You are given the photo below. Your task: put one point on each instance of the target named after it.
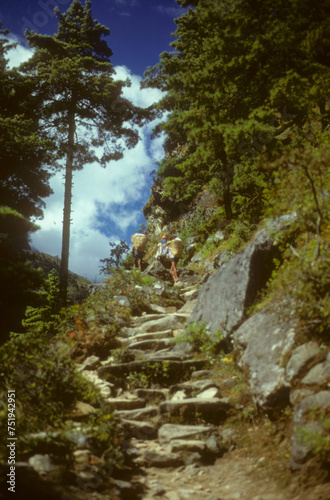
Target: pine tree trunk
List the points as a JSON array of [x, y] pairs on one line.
[[227, 203], [64, 269]]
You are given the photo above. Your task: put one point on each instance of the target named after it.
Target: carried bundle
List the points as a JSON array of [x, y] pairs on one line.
[[139, 241], [176, 247]]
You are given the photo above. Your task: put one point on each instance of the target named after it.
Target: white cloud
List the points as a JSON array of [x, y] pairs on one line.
[[19, 54], [174, 12]]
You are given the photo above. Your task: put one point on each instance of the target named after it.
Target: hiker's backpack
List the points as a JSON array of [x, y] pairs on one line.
[[139, 241], [176, 247]]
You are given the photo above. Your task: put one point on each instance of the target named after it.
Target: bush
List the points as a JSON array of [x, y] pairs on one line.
[[202, 341], [45, 380], [44, 319]]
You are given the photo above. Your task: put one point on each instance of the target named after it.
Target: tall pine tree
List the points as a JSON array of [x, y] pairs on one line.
[[83, 104], [240, 74]]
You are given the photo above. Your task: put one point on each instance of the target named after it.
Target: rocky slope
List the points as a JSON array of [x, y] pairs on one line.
[[196, 427]]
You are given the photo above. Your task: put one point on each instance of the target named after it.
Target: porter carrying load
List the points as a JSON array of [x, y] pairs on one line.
[[176, 247], [139, 241]]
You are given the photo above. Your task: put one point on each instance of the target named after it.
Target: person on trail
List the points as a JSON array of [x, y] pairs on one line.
[[137, 257], [163, 253], [139, 242]]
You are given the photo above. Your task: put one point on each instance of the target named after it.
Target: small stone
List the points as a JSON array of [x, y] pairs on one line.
[[81, 456], [178, 396], [41, 463]]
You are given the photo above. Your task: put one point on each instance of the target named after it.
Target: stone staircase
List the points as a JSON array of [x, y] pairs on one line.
[[171, 410], [168, 404]]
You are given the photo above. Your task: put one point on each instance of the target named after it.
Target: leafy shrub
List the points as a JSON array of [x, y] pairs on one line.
[[105, 435], [153, 374], [318, 440], [118, 254], [201, 340], [17, 277], [44, 319], [238, 233], [45, 380], [122, 355]]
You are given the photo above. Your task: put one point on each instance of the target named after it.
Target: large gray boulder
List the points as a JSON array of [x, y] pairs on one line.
[[224, 298], [266, 340]]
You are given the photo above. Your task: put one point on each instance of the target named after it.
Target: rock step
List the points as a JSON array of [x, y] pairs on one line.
[[150, 395], [213, 410], [139, 320], [146, 336], [166, 355], [170, 432], [144, 431], [161, 323], [138, 414], [175, 370], [151, 344], [106, 388], [125, 404], [196, 386]]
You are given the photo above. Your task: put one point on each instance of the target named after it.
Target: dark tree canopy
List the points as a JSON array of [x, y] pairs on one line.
[[24, 148], [241, 75]]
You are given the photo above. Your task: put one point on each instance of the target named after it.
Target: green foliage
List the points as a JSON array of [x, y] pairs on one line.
[[118, 253], [24, 148], [104, 431], [301, 186], [94, 324], [238, 233], [122, 355], [83, 109], [45, 380], [201, 340], [18, 278], [234, 90], [45, 318], [153, 374], [316, 439]]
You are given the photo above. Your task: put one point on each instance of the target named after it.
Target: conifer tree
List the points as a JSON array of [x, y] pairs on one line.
[[83, 104], [24, 150], [240, 75]]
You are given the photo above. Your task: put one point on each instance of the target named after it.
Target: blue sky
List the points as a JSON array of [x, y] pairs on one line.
[[107, 203]]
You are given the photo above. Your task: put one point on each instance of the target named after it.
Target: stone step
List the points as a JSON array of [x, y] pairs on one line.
[[106, 388], [194, 387], [150, 395], [125, 404], [190, 294], [175, 370], [170, 432], [166, 355], [151, 344], [213, 410], [146, 336], [138, 414], [166, 322], [139, 320], [140, 430]]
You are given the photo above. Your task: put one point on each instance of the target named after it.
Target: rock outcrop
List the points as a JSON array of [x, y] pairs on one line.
[[225, 297]]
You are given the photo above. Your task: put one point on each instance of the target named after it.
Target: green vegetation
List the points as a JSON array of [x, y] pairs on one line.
[[40, 364], [17, 277], [201, 340], [43, 319], [239, 93], [317, 439], [118, 255]]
